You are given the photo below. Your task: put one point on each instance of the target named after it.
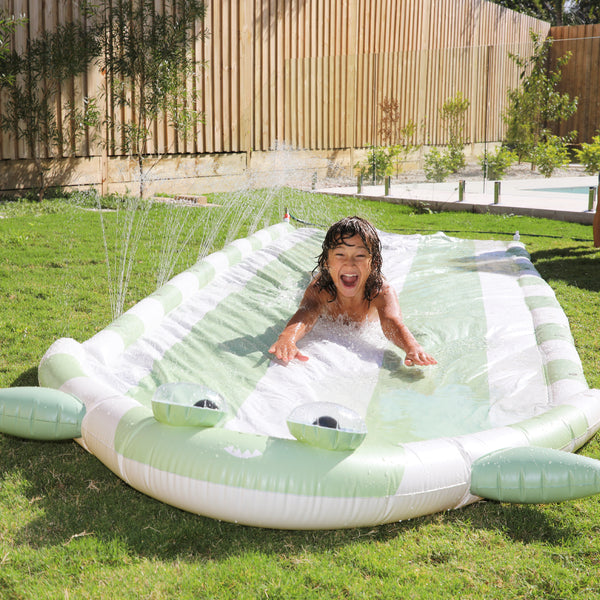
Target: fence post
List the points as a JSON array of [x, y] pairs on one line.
[[359, 184], [591, 197], [461, 190], [596, 228], [387, 184], [496, 192]]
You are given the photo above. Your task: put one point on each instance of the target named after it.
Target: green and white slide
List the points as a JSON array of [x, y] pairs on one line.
[[181, 399]]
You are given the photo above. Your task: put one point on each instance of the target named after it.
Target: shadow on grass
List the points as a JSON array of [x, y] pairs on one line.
[[27, 378], [525, 523], [578, 266], [73, 497]]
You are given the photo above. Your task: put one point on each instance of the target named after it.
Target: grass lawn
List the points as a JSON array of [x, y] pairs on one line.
[[69, 528]]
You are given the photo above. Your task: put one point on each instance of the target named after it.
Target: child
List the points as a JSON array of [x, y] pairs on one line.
[[349, 285]]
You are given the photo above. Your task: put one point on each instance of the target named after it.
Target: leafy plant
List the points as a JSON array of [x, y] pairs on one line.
[[397, 144], [437, 165], [536, 105], [150, 70], [495, 164], [394, 133], [452, 115], [441, 163], [550, 155], [380, 162], [32, 80], [589, 155]]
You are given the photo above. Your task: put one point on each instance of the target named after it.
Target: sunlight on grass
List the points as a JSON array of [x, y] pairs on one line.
[[69, 528]]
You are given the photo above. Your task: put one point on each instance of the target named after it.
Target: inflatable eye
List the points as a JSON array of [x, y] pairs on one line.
[[205, 403], [326, 421], [327, 425], [186, 404]]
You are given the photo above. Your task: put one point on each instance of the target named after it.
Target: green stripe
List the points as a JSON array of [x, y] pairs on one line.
[[233, 254], [526, 280], [129, 326], [169, 296], [518, 251], [562, 368], [452, 398], [552, 331], [282, 466], [534, 302], [556, 428], [204, 271], [57, 369]]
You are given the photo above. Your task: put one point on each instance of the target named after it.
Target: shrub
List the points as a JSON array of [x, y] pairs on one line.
[[380, 162], [589, 156], [437, 165], [550, 155], [452, 115], [455, 157], [495, 164]]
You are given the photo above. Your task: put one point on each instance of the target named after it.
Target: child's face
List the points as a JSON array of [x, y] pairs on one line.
[[349, 265]]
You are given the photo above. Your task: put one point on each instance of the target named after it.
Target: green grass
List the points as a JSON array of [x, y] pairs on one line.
[[69, 528]]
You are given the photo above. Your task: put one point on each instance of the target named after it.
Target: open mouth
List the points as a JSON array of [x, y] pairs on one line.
[[349, 280]]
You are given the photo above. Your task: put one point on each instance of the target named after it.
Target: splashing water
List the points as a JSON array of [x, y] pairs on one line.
[[261, 202], [132, 216]]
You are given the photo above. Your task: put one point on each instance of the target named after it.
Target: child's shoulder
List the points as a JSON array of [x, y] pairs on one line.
[[386, 294], [314, 292]]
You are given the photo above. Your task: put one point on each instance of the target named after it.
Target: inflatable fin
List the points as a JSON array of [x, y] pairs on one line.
[[534, 475], [39, 413]]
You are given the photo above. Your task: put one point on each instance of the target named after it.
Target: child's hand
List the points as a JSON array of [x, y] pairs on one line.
[[286, 350], [419, 357]]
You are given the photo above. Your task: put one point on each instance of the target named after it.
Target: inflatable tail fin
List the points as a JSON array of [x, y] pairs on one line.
[[534, 475]]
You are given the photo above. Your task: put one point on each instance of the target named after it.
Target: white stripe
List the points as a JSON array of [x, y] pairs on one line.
[[517, 385], [187, 283]]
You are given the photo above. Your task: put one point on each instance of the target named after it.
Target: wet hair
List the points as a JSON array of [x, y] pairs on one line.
[[337, 235]]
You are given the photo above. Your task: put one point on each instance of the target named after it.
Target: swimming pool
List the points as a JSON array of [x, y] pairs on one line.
[[582, 189]]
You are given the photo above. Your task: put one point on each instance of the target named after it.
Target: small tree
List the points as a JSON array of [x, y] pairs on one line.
[[32, 79], [536, 105], [397, 143], [395, 133], [453, 114], [441, 163], [150, 67]]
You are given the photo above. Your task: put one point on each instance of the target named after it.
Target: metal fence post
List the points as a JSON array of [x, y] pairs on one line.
[[496, 192]]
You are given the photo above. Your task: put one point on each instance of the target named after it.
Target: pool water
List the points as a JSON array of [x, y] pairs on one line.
[[582, 189]]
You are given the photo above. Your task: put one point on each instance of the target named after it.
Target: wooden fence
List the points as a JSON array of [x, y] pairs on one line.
[[311, 74], [581, 77]]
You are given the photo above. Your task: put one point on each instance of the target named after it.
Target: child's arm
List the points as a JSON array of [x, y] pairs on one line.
[[298, 326], [396, 331]]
